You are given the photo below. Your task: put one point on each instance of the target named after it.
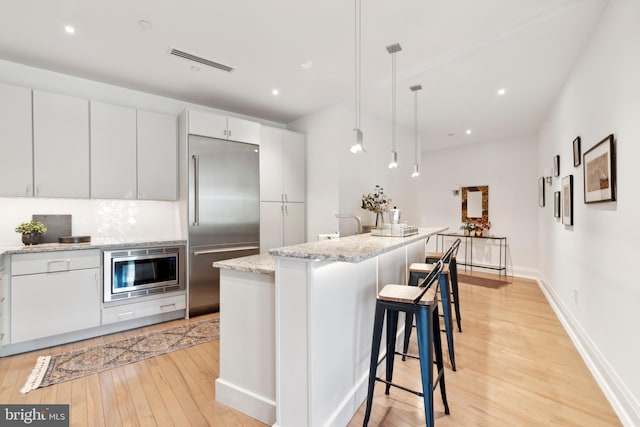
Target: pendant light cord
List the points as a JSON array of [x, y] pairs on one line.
[[393, 102], [358, 59]]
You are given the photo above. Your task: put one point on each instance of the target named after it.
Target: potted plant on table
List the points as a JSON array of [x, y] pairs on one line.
[[467, 227], [376, 202], [31, 231]]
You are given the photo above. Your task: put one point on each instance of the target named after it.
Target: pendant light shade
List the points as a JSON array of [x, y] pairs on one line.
[[358, 144], [393, 49], [416, 168]]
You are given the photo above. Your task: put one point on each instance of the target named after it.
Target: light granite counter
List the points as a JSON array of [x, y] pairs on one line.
[[355, 248], [261, 264], [99, 244]]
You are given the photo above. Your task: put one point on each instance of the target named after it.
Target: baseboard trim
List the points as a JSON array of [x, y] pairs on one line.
[[245, 401], [623, 402]]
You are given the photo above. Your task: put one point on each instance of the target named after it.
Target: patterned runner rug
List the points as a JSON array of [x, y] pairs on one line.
[[78, 363]]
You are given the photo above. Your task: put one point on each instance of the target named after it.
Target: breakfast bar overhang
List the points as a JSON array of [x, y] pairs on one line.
[[319, 316]]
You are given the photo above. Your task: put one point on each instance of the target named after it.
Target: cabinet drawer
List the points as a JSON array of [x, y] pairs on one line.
[[143, 309], [50, 262]]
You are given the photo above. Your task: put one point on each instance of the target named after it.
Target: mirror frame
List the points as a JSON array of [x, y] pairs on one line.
[[485, 201]]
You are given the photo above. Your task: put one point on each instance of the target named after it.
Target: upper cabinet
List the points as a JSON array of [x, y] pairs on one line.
[[61, 145], [113, 151], [282, 165], [16, 164], [133, 154], [222, 127], [157, 156]]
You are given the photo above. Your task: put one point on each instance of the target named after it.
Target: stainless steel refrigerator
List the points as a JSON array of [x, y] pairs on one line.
[[224, 213]]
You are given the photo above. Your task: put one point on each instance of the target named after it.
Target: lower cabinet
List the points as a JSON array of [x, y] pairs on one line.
[[281, 224], [49, 304], [137, 310]]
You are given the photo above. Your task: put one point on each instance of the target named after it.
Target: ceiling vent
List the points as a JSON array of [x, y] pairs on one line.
[[200, 60]]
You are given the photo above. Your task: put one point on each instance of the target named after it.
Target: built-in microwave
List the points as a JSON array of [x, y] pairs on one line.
[[131, 273]]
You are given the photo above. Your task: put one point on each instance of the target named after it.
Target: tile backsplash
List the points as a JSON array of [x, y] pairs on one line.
[[103, 220]]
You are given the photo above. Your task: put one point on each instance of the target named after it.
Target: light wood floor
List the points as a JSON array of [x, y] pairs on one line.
[[516, 367]]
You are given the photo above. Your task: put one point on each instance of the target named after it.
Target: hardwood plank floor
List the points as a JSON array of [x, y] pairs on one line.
[[516, 367]]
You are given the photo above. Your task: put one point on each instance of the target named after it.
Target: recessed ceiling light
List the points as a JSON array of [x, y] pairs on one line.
[[451, 134], [275, 92], [468, 132], [306, 65], [502, 91], [195, 68], [69, 29], [145, 25]]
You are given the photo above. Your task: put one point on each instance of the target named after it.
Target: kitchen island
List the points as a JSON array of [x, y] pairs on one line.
[[297, 353]]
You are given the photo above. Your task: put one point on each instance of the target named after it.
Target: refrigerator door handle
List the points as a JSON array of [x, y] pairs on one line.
[[196, 190], [216, 251]]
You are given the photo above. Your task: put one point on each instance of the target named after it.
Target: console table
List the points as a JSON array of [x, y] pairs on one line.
[[468, 250]]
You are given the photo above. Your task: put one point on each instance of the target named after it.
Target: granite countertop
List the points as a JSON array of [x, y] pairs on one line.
[[98, 244], [353, 248], [261, 264]]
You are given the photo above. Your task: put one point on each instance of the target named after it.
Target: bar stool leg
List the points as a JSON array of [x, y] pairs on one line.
[[437, 344], [425, 346], [453, 271], [408, 326], [443, 282], [373, 365], [392, 328]]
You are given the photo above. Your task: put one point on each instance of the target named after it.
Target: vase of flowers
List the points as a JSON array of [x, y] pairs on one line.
[[31, 231], [378, 203], [467, 227], [482, 225]]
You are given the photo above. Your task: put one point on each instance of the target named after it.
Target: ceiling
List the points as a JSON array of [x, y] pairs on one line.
[[460, 51]]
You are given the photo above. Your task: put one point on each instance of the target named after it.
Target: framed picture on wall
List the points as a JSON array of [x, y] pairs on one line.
[[567, 200], [541, 192], [576, 152], [556, 166], [556, 204], [599, 167]]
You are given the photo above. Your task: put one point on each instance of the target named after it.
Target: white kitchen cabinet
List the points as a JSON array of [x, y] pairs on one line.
[[282, 165], [61, 145], [16, 164], [222, 127], [157, 156], [281, 224], [141, 309], [2, 303], [113, 151], [54, 293]]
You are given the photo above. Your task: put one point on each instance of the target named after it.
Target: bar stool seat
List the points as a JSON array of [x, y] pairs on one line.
[[422, 302], [419, 271], [432, 258]]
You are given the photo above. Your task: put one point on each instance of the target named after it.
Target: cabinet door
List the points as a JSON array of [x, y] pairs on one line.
[[61, 145], [271, 226], [207, 124], [113, 151], [243, 130], [294, 224], [157, 156], [43, 305], [271, 164], [293, 166], [16, 161]]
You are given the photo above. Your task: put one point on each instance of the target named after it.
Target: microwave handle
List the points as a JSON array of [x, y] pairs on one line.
[[196, 190]]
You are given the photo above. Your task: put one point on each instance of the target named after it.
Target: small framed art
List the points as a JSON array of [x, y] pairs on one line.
[[599, 164], [556, 166], [556, 204], [541, 192], [567, 200], [576, 152]]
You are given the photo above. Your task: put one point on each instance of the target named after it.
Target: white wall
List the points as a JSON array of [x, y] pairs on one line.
[[589, 268], [337, 179], [112, 219], [508, 168]]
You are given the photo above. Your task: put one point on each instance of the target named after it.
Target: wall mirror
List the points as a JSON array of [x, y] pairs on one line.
[[475, 202]]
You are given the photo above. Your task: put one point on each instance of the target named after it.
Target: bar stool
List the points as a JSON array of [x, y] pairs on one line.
[[418, 271], [432, 258], [421, 301]]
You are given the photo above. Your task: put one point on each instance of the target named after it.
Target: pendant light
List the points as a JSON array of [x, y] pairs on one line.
[[416, 169], [358, 145], [393, 49]]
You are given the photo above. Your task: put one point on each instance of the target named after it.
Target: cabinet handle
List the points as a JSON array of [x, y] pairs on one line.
[[126, 314], [224, 132], [196, 190], [282, 197], [286, 199], [27, 191], [164, 307], [282, 209], [37, 190], [56, 261], [229, 133]]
